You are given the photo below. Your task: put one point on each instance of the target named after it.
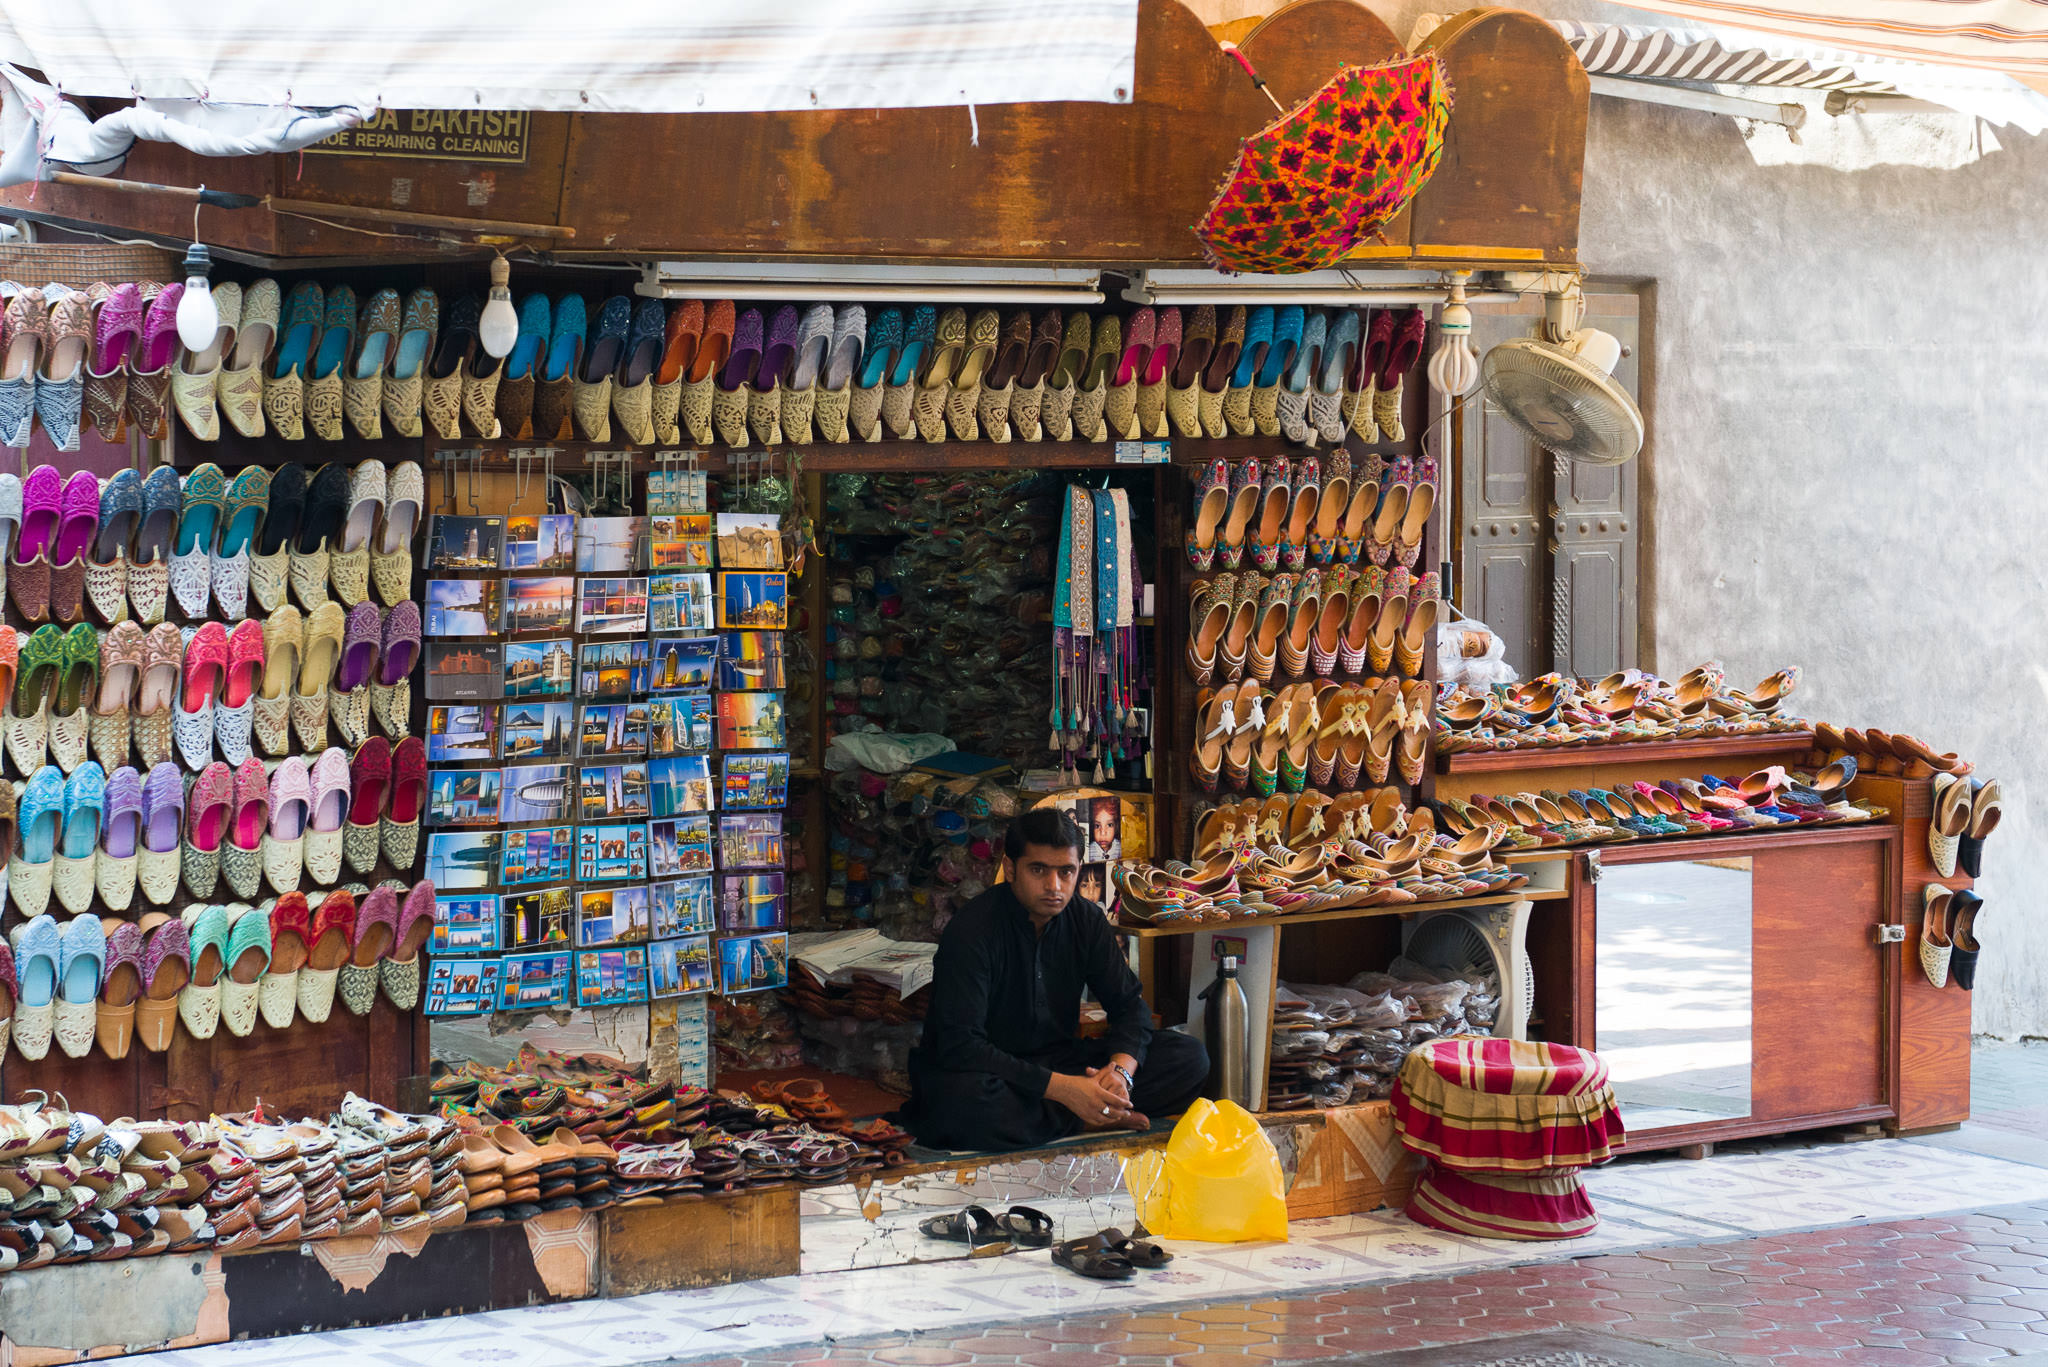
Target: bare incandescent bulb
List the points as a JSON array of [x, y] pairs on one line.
[[498, 329], [198, 319]]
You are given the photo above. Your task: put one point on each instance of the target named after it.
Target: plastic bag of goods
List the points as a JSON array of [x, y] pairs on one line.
[[1217, 1180]]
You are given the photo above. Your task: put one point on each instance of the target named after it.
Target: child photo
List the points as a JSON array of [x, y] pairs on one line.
[[683, 662], [753, 600], [676, 968], [463, 672], [751, 840], [536, 792], [545, 855], [1093, 884], [682, 907], [539, 730], [539, 669], [681, 783], [679, 722], [546, 916], [465, 923], [1101, 823], [612, 607], [464, 543], [614, 669], [460, 860], [459, 734], [532, 981], [540, 605], [462, 797], [609, 545], [541, 543], [753, 963], [462, 607]]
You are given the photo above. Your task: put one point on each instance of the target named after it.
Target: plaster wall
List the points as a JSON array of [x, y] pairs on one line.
[[1849, 436]]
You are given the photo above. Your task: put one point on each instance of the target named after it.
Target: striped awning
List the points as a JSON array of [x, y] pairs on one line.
[[1731, 56], [635, 56], [1990, 35]]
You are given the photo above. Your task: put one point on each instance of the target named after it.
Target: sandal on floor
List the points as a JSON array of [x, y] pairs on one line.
[[1026, 1227], [1088, 1258], [1135, 1248]]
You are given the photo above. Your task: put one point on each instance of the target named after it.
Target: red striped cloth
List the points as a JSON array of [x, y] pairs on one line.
[[1494, 1206], [1506, 1106]]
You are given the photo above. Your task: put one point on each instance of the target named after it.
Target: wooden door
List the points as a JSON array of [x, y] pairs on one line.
[[1818, 1003], [1549, 548]]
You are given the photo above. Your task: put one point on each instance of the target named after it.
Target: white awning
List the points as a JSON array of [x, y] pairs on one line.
[[1722, 55], [618, 56]]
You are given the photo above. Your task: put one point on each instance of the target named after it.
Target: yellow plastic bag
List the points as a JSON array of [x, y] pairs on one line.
[[1218, 1179]]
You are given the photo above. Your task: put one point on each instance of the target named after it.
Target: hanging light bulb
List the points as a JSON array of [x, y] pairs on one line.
[[498, 329], [198, 319], [1453, 366]]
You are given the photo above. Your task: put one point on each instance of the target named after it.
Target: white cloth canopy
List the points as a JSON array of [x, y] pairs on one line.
[[1732, 56], [641, 56], [40, 132]]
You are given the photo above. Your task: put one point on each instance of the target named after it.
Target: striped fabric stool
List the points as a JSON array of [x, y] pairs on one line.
[[1506, 1125]]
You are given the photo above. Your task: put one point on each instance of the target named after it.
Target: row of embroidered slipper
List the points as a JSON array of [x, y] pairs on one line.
[[104, 980], [205, 541], [124, 690], [93, 833]]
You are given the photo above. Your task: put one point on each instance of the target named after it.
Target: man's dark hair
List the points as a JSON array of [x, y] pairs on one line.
[[1049, 827]]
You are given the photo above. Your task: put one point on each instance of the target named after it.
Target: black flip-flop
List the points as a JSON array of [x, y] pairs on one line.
[[973, 1226], [1088, 1258], [1026, 1227]]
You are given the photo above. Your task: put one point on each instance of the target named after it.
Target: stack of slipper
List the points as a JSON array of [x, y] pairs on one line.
[[422, 1184], [281, 1171], [75, 1189], [363, 1159], [648, 1174]]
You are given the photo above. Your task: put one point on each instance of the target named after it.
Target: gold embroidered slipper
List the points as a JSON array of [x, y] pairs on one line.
[[935, 383]]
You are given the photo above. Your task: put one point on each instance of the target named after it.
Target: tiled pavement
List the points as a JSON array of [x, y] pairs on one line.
[[1938, 1253]]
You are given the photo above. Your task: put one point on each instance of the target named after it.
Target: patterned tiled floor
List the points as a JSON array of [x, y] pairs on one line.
[[1907, 1252]]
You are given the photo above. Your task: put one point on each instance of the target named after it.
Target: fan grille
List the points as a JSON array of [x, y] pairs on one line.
[[1562, 404]]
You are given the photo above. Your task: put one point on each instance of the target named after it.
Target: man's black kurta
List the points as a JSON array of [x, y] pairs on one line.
[[1005, 1003]]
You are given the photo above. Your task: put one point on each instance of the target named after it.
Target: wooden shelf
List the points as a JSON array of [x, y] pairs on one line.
[[1343, 913], [1627, 752]]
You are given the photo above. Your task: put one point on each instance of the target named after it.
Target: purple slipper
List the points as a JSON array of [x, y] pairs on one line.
[[291, 798], [401, 643], [81, 504], [359, 655], [120, 323], [746, 352], [781, 352], [122, 834], [42, 498], [160, 330], [163, 808]]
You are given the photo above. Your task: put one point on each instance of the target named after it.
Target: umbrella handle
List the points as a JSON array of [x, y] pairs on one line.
[[1235, 55]]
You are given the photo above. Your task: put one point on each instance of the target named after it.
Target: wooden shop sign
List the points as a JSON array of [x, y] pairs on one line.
[[493, 135]]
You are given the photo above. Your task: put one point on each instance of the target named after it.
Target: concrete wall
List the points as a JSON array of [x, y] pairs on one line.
[[1849, 463]]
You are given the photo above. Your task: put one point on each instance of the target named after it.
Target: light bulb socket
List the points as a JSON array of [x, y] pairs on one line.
[[501, 273], [198, 261]]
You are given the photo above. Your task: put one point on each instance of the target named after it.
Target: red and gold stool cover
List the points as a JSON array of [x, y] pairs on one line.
[[1496, 1206], [1520, 1107]]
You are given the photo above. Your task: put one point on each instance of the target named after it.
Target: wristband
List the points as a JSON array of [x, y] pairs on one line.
[[1128, 1083]]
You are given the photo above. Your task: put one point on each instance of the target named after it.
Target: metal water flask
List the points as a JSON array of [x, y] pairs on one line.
[[1226, 1025]]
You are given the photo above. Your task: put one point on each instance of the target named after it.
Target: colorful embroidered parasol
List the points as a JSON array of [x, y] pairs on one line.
[[1325, 175]]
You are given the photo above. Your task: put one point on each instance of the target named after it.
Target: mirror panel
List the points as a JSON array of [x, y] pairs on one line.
[[1672, 1014]]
